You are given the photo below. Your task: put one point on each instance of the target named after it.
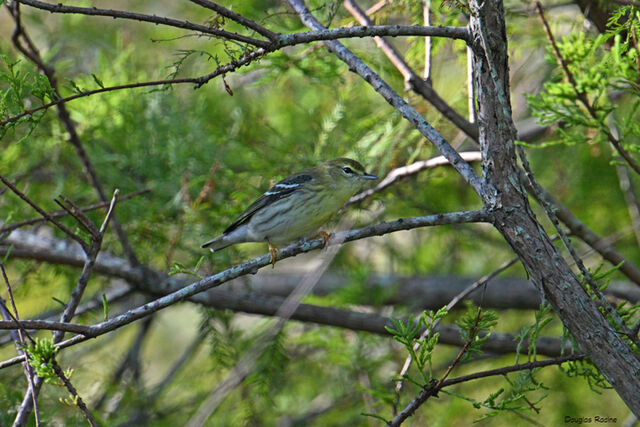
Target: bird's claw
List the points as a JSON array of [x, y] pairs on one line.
[[273, 251], [325, 238]]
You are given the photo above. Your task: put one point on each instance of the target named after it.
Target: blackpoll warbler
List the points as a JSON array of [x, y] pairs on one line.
[[296, 207]]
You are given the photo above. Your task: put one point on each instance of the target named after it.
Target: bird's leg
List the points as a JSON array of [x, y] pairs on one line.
[[325, 237], [272, 251]]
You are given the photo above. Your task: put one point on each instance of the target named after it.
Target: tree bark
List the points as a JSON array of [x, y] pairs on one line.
[[513, 217]]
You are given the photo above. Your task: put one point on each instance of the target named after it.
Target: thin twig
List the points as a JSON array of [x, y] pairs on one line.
[[399, 173], [244, 21], [283, 41], [433, 390], [514, 368], [77, 400], [123, 14], [44, 214], [83, 280], [20, 343], [64, 213]]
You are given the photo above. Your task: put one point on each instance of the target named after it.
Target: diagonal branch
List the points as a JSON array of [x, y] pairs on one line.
[[254, 265], [19, 339], [242, 20]]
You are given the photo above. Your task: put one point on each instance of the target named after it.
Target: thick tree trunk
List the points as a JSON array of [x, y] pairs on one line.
[[517, 223]]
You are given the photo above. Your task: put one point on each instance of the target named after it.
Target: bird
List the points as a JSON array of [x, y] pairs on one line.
[[296, 207]]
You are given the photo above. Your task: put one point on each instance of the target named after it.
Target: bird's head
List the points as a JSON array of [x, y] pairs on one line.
[[348, 175]]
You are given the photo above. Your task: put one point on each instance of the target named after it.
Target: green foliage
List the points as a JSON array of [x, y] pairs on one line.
[[475, 325], [419, 340], [177, 268], [530, 333], [21, 86], [585, 369], [583, 100], [41, 359], [501, 401]]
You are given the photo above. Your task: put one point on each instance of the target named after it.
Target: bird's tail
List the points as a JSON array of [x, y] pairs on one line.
[[218, 243]]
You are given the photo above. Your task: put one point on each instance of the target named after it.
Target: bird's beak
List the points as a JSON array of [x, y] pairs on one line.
[[369, 176]]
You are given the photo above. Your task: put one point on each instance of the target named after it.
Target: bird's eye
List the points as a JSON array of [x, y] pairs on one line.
[[347, 170]]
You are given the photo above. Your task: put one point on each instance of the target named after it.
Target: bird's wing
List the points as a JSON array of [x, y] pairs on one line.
[[280, 190]]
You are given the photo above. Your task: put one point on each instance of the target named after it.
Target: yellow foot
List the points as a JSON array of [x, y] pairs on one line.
[[325, 237], [273, 251]]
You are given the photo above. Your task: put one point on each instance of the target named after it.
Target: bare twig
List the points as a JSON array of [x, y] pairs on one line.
[[72, 209], [433, 390], [426, 19], [44, 214], [20, 342], [48, 325], [197, 81], [399, 173], [62, 214], [83, 280], [283, 41]]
